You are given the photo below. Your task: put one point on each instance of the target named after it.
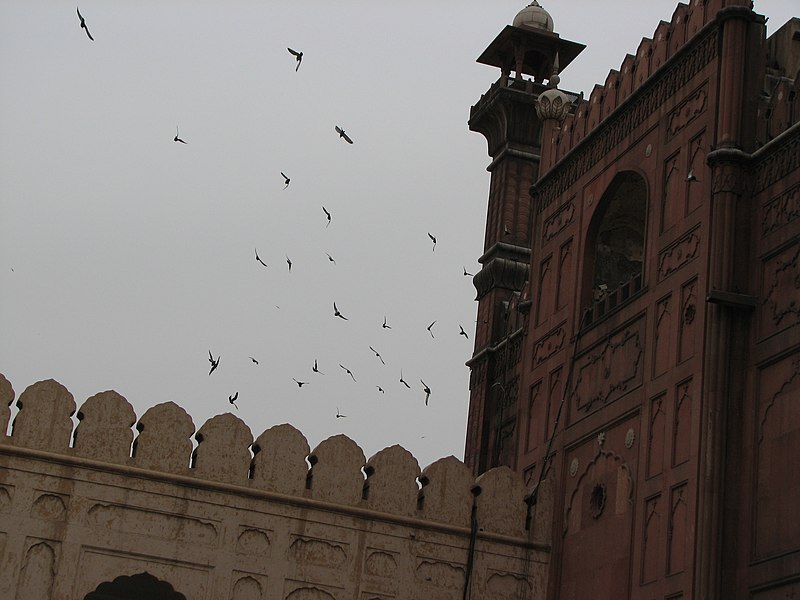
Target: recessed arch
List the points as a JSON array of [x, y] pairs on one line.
[[141, 586], [615, 244]]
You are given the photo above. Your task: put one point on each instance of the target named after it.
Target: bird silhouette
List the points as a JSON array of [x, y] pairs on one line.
[[83, 24], [232, 400], [462, 332], [330, 258], [433, 239], [403, 381], [258, 258], [286, 180], [342, 134], [385, 326], [298, 57], [380, 389], [336, 312], [177, 137], [315, 368], [430, 327], [339, 415], [327, 214], [427, 391], [349, 372], [690, 177], [300, 384], [254, 360], [467, 274], [506, 230], [214, 363], [377, 354], [289, 262]]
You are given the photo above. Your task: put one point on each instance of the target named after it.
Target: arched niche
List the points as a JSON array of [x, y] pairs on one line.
[[615, 244], [135, 587]]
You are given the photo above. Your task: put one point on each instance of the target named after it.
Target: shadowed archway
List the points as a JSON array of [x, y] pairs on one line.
[[141, 586]]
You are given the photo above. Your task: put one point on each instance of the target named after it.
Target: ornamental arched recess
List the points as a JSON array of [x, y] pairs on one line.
[[616, 242]]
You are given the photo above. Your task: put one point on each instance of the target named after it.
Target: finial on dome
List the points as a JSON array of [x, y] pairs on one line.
[[534, 17], [553, 103]]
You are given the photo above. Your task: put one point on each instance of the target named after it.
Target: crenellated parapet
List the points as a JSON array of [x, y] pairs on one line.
[[276, 461], [234, 516]]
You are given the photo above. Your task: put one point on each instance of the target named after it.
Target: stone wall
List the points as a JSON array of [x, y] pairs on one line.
[[245, 518]]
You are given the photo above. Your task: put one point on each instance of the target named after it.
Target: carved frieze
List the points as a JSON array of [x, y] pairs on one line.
[[129, 520], [49, 507], [777, 162], [781, 210], [508, 586], [318, 552], [678, 254], [440, 574], [558, 221], [687, 111], [609, 370], [548, 345], [253, 542], [781, 308]]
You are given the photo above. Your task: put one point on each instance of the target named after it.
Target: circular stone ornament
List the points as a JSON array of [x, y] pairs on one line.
[[630, 437], [573, 467]]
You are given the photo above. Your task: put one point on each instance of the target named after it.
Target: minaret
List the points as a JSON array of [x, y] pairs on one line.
[[506, 116]]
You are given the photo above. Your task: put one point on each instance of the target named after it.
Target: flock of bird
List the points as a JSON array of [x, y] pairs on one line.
[[337, 313]]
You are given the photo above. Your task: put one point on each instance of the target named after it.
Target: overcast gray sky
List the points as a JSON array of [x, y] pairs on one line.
[[125, 257]]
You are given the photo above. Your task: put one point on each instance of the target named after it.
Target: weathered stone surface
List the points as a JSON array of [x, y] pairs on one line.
[[6, 400], [164, 443], [104, 431], [279, 461], [336, 471], [501, 504], [446, 492], [391, 484], [43, 421], [223, 451]]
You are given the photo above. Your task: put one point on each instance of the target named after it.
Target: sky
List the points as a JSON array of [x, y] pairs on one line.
[[126, 257]]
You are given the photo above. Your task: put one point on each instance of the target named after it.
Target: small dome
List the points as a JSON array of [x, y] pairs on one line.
[[535, 17], [552, 104]]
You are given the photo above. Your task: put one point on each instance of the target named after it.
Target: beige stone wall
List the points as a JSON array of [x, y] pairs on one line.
[[248, 519]]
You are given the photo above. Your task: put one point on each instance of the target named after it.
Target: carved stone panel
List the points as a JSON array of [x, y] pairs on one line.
[[682, 424], [781, 210], [687, 111], [672, 200], [610, 369], [696, 190], [248, 586], [546, 290], [678, 254], [781, 291], [652, 545], [656, 437], [689, 318], [39, 567], [537, 411], [566, 285], [549, 344], [678, 530], [777, 528], [558, 221], [663, 343], [50, 507], [135, 521]]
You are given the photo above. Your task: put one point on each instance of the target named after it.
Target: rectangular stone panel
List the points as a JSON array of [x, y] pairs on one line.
[[655, 438], [663, 346], [688, 319], [682, 423]]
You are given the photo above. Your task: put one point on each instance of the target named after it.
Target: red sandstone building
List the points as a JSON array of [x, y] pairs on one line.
[[638, 336]]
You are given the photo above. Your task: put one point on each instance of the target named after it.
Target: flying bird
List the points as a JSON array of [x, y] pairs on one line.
[[177, 137], [377, 354], [214, 363], [403, 381], [300, 384], [232, 400], [380, 389], [506, 230], [339, 415], [286, 180], [298, 57], [427, 391], [467, 274], [330, 258], [433, 239], [430, 327], [258, 258], [336, 312], [349, 372], [315, 368], [462, 332], [342, 134], [691, 176], [385, 326], [289, 262], [254, 360], [83, 24], [327, 214]]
